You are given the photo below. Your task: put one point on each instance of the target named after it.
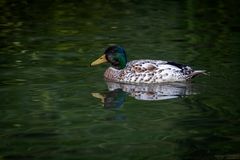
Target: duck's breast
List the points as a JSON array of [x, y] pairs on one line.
[[112, 74]]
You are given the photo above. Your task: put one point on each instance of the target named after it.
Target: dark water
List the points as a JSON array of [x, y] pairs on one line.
[[54, 106]]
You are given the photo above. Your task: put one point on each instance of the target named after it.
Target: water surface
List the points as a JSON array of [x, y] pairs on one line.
[[54, 106]]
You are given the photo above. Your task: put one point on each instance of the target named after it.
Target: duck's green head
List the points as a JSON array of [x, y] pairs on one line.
[[115, 55]]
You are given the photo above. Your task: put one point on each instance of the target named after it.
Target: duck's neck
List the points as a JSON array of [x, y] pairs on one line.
[[122, 62]]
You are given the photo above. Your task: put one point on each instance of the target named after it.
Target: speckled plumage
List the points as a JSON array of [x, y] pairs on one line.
[[150, 71], [142, 71]]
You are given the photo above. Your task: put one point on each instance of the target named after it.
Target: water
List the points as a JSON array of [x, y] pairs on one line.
[[54, 106]]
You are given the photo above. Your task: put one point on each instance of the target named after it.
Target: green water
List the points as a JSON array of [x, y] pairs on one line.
[[54, 106]]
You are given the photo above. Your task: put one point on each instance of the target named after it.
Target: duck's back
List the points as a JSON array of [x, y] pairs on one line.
[[150, 71]]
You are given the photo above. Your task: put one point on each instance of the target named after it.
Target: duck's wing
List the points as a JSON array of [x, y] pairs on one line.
[[156, 71], [153, 66], [145, 65], [186, 71], [150, 71]]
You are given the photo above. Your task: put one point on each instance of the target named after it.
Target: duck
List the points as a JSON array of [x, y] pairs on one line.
[[143, 71]]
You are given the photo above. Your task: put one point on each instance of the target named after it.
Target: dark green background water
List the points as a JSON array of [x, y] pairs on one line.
[[47, 110]]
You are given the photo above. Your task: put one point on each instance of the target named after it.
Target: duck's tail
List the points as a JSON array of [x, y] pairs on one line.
[[196, 73]]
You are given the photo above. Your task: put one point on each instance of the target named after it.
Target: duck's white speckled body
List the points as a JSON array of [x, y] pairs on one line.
[[150, 71]]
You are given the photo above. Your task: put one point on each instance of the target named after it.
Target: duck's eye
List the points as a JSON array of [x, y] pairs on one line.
[[114, 60]]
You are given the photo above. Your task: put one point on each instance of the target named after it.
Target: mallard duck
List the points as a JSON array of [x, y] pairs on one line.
[[144, 70]]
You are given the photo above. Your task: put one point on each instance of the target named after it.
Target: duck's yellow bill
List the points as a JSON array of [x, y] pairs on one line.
[[100, 60]]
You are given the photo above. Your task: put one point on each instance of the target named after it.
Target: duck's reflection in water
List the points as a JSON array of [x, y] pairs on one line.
[[116, 95], [114, 98]]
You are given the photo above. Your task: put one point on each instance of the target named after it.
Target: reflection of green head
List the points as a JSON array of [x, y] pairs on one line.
[[115, 98], [116, 55]]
